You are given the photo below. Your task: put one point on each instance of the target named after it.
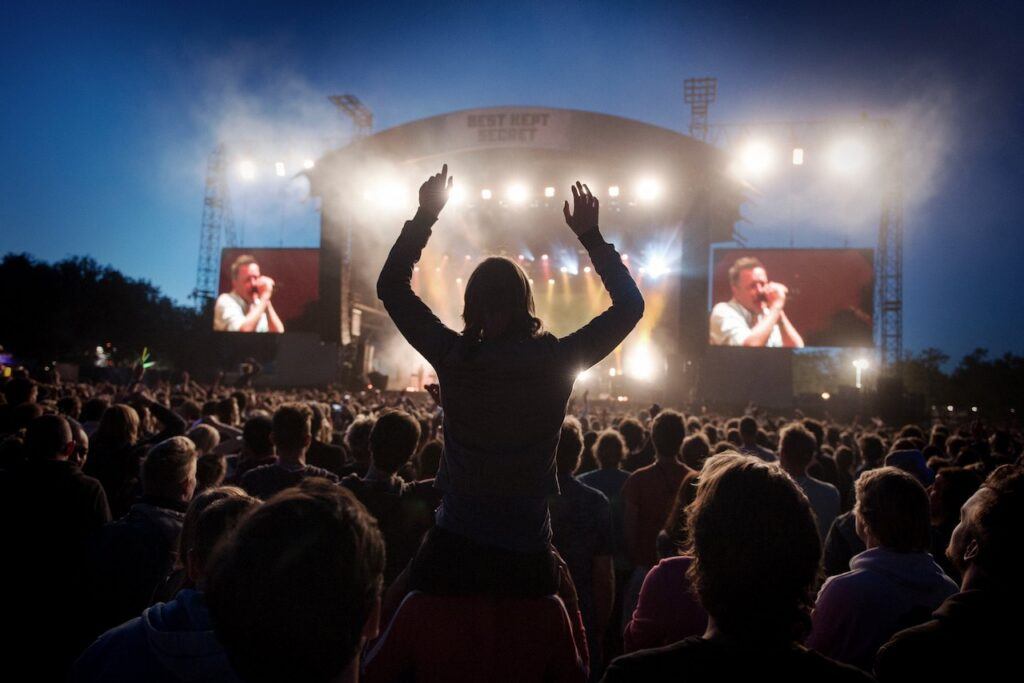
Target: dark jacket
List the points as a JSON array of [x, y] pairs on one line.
[[504, 400], [267, 480], [973, 636]]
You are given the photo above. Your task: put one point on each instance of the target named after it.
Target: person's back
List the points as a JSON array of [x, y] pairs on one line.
[[504, 383], [476, 638], [292, 434], [893, 584]]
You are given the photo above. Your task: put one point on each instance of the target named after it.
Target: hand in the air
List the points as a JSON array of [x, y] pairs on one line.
[[434, 192], [584, 213]]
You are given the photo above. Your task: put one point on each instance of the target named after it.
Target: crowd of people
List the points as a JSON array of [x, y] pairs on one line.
[[496, 530]]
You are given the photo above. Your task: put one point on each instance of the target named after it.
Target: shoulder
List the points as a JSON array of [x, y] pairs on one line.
[[594, 496], [314, 471], [817, 666], [660, 663]]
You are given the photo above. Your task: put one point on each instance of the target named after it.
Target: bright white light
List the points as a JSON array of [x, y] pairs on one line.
[[583, 376], [949, 408], [625, 257], [611, 372], [247, 169], [551, 281], [549, 191], [639, 363], [458, 280], [798, 156], [517, 194], [586, 269], [757, 158], [279, 169], [485, 194], [564, 269], [308, 164], [861, 364], [648, 189], [613, 191], [657, 266], [825, 396], [974, 409], [543, 257], [848, 157], [416, 268], [456, 196], [468, 257], [387, 193], [521, 257]]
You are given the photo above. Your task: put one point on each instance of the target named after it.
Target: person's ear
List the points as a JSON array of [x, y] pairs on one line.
[[971, 553], [371, 629], [69, 450]]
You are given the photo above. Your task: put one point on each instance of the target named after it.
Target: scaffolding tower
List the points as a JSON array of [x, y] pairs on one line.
[[217, 227]]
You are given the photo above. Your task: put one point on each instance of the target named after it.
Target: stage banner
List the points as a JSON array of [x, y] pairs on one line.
[[514, 127]]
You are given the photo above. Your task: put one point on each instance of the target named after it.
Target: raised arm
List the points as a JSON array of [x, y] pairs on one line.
[[414, 319], [595, 340]]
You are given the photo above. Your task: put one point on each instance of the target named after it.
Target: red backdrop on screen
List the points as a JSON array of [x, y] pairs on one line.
[[296, 275], [831, 291]]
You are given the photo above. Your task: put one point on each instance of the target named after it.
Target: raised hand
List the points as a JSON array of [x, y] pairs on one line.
[[434, 192], [775, 294], [584, 212], [265, 287]]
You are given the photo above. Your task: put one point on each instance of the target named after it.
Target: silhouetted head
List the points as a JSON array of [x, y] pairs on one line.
[[499, 302]]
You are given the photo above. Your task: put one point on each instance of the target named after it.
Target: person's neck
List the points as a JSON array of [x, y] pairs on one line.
[[292, 459], [793, 470], [666, 459], [975, 579], [750, 443]]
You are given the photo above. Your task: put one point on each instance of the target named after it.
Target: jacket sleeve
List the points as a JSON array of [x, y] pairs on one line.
[[414, 319], [595, 340]]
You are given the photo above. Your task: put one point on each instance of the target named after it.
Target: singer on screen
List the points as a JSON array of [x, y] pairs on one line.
[[755, 315], [247, 307]]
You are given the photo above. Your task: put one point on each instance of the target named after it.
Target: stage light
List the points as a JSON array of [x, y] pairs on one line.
[[613, 191], [974, 409], [247, 169], [848, 157], [825, 396], [757, 158], [861, 364], [625, 257], [657, 266], [416, 269], [530, 280], [485, 194], [648, 189], [564, 269], [456, 195], [949, 409], [639, 363], [586, 269], [798, 156], [551, 281], [438, 269], [543, 257], [468, 257], [583, 376], [279, 169], [642, 270], [611, 372], [521, 257], [458, 280], [549, 191], [308, 164], [517, 193], [387, 193]]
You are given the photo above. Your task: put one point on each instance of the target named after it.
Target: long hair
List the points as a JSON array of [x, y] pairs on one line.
[[118, 427], [499, 302]]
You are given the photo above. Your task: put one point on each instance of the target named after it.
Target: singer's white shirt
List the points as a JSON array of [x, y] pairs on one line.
[[229, 313], [731, 323]]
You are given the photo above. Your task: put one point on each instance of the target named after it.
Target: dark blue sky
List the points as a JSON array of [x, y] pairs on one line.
[[108, 112]]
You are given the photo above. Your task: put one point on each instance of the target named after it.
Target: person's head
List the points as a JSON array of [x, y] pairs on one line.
[[499, 302], [667, 433], [872, 450], [189, 410], [748, 430], [950, 490], [245, 276], [49, 437], [756, 549], [20, 389], [118, 427], [292, 428], [892, 511], [93, 409], [69, 406], [428, 461], [748, 279], [227, 411], [570, 446], [205, 437], [309, 556], [393, 440], [357, 438], [633, 432], [210, 471], [987, 539], [796, 448], [256, 436], [695, 450], [81, 439], [214, 524], [321, 425], [169, 470], [199, 502], [610, 449]]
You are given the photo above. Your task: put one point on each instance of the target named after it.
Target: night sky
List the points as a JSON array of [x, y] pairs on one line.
[[108, 113]]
